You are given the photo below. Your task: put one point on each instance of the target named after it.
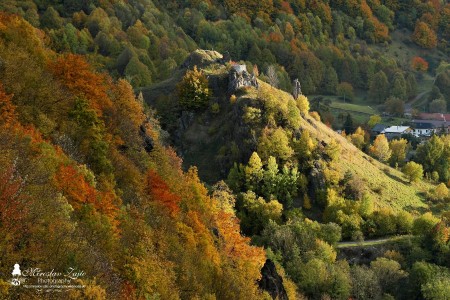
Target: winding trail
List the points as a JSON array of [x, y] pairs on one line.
[[408, 105]]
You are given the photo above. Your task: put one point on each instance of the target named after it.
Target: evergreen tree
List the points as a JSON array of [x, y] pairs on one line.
[[411, 85], [379, 87], [330, 81], [271, 179], [349, 125], [398, 88]]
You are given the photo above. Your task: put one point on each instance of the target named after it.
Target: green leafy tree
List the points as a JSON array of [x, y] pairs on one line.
[[404, 221], [90, 133], [193, 90], [345, 90], [271, 178], [257, 213], [399, 149], [330, 81], [365, 283], [51, 19], [411, 84], [437, 288], [395, 106], [413, 171], [374, 120], [389, 274], [438, 106], [421, 273], [430, 154], [443, 83], [435, 94], [440, 192], [275, 143], [236, 177], [424, 224], [138, 73]]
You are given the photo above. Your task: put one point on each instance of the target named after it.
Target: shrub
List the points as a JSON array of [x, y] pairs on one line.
[[215, 108], [315, 115], [439, 193], [233, 99]]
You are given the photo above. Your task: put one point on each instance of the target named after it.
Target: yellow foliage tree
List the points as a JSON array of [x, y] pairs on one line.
[[302, 104], [380, 148], [193, 91]]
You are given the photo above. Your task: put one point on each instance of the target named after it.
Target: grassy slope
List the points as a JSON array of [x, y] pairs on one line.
[[203, 139], [388, 186], [365, 109]]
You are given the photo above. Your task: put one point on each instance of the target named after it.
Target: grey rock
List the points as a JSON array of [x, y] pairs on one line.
[[239, 78]]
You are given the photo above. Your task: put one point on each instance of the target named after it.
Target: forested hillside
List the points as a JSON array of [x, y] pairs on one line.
[[85, 182], [129, 154]]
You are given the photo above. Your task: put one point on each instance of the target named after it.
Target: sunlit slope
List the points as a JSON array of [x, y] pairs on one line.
[[205, 134]]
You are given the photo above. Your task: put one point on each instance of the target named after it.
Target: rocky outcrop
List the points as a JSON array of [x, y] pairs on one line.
[[272, 282], [147, 140], [297, 88], [316, 179], [239, 78], [202, 58]]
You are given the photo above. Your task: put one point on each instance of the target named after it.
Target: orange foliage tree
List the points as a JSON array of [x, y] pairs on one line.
[[81, 80], [13, 202], [8, 114], [158, 190], [79, 192], [419, 64], [381, 30], [234, 244], [286, 7], [424, 36]]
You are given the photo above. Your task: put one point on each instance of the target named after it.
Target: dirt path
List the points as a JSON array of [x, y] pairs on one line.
[[372, 242], [408, 105]]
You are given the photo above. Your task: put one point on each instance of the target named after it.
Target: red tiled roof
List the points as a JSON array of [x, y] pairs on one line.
[[434, 116]]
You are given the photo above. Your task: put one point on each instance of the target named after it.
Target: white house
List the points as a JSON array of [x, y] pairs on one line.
[[396, 131], [424, 129]]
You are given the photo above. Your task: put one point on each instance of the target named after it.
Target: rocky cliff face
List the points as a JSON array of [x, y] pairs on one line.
[[239, 78], [272, 282]]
